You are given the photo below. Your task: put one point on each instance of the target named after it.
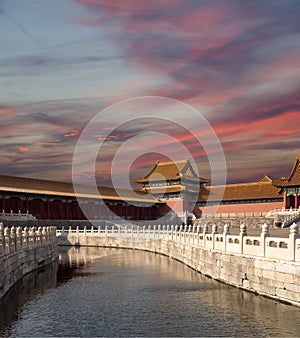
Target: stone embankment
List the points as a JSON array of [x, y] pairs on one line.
[[269, 266], [23, 251]]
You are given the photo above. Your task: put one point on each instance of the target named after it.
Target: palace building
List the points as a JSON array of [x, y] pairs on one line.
[[260, 196], [57, 200], [174, 183], [290, 187], [168, 186]]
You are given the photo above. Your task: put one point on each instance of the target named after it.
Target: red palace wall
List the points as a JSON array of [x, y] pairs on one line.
[[178, 205], [48, 208], [239, 208]]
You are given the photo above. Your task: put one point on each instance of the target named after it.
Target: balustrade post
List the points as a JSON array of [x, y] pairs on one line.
[[2, 244], [99, 230], [172, 231], [50, 232], [131, 231], [12, 239], [294, 230], [25, 238], [106, 231], [113, 230], [92, 230], [44, 235], [7, 240], [19, 238], [205, 227], [77, 231], [34, 236], [40, 235], [225, 234], [154, 229], [158, 230], [84, 231], [214, 231], [194, 233], [243, 232], [164, 231], [264, 233], [144, 228], [31, 239], [138, 231], [180, 233], [149, 228]]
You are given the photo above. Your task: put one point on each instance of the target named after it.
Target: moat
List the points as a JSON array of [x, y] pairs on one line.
[[115, 292]]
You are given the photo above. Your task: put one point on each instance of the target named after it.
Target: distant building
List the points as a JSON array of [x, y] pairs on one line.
[[174, 183], [168, 186], [57, 200], [260, 196], [290, 187]]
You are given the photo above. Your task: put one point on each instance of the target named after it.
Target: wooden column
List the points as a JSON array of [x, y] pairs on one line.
[[296, 201], [285, 200]]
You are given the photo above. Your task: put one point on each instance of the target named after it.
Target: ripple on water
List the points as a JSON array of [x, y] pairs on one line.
[[131, 293]]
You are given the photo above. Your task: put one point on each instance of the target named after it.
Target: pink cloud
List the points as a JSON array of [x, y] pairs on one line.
[[73, 133], [23, 149]]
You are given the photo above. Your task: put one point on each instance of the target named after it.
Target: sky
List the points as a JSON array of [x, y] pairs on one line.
[[63, 62]]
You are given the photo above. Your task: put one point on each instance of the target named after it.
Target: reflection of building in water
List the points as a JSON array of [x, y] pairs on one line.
[[81, 256], [24, 290], [161, 275]]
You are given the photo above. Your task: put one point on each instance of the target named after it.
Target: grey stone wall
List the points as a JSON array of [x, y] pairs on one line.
[[269, 277], [24, 251]]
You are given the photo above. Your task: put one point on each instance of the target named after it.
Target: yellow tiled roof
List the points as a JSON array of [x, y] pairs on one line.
[[263, 189], [37, 186], [293, 179], [165, 171]]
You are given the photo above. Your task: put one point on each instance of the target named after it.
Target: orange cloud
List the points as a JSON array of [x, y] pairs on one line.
[[23, 149], [73, 133]]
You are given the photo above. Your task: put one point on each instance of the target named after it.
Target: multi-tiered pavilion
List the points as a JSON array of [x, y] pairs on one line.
[[175, 183]]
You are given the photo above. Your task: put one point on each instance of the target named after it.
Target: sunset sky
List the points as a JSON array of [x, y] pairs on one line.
[[64, 61]]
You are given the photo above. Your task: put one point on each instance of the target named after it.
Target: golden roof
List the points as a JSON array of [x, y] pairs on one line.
[[293, 179], [46, 187], [263, 189], [166, 171]]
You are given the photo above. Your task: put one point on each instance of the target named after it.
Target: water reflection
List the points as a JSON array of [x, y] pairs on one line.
[[26, 289], [115, 292]]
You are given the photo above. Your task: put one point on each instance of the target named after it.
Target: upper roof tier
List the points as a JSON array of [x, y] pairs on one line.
[[168, 171], [293, 179]]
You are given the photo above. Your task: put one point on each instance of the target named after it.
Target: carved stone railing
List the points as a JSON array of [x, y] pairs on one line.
[[16, 239], [260, 246], [11, 216]]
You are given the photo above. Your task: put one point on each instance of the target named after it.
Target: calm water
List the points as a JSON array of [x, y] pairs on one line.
[[114, 292]]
